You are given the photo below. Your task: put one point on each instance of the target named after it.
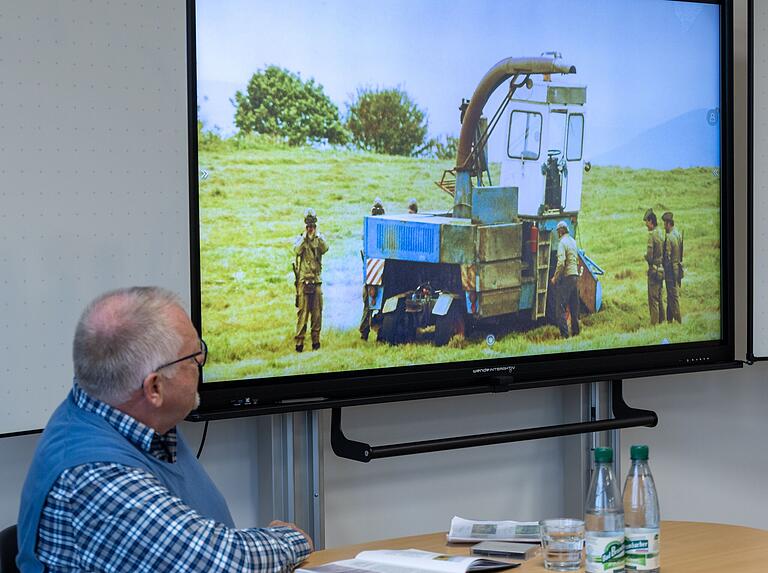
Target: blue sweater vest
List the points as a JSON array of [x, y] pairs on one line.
[[74, 437]]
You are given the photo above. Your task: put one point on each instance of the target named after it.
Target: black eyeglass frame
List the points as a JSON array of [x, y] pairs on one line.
[[203, 350]]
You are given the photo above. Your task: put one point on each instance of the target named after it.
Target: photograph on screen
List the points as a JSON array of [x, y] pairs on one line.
[[430, 182]]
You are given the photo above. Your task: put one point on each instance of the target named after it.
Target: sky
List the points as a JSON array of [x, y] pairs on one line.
[[644, 62]]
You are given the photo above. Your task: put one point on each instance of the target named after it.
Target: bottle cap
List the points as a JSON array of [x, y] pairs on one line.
[[603, 455], [638, 452]]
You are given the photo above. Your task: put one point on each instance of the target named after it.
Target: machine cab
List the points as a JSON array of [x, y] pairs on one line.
[[544, 155]]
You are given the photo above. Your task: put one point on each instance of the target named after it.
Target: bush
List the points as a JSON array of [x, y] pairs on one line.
[[387, 121], [446, 149], [277, 102]]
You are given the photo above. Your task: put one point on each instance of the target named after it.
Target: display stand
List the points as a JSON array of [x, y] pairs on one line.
[[624, 417]]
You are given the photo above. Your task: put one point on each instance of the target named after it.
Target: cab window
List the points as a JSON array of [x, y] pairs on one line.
[[575, 137], [524, 140]]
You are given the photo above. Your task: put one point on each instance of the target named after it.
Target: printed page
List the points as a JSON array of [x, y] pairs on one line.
[[428, 561], [358, 566]]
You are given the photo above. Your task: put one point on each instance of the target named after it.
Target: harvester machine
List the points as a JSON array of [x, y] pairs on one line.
[[493, 254]]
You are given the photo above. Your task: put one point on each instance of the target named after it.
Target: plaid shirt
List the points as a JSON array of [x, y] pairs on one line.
[[110, 517]]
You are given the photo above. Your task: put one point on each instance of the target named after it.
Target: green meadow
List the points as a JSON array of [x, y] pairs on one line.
[[251, 209]]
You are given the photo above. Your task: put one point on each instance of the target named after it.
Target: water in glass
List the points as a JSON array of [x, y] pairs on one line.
[[562, 542]]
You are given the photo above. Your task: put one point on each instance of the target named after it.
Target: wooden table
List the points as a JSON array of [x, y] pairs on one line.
[[686, 547]]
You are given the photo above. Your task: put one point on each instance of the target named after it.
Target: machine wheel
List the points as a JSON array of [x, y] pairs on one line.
[[395, 326], [387, 328], [449, 325]]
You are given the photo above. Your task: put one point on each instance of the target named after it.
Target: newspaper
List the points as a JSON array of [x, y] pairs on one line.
[[467, 530], [409, 561]]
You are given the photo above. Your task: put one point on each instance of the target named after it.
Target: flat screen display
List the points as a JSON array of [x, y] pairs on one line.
[[435, 185]]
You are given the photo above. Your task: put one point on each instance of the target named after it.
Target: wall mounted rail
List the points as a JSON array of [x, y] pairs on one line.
[[624, 416]]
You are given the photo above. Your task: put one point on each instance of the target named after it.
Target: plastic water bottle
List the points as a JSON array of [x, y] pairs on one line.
[[604, 519], [641, 515]]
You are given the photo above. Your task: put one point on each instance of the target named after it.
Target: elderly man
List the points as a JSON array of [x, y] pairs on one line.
[[113, 486]]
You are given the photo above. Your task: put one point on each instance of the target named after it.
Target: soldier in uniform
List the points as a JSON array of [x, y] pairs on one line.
[[413, 207], [365, 321], [673, 266], [566, 281], [654, 255], [309, 248]]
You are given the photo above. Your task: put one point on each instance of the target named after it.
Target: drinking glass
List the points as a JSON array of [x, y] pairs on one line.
[[562, 542]]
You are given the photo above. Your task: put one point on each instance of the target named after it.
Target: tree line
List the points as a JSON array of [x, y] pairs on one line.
[[277, 102]]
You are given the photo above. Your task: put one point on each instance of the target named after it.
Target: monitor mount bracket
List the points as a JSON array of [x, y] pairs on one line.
[[624, 416]]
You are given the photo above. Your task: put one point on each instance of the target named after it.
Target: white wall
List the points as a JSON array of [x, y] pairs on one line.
[[708, 453]]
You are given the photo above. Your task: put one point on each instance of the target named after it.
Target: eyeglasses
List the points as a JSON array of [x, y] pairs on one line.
[[200, 363]]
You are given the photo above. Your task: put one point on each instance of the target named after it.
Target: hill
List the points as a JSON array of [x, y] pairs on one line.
[[689, 140]]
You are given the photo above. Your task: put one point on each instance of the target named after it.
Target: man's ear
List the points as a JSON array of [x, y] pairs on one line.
[[153, 391]]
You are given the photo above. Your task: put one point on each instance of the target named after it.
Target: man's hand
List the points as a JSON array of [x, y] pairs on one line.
[[552, 281], [278, 523]]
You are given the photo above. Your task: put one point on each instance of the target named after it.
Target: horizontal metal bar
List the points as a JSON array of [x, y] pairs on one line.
[[625, 417], [444, 444]]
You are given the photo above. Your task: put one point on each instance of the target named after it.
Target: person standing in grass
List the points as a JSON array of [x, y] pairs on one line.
[[654, 255], [309, 249], [365, 321], [566, 281], [673, 266]]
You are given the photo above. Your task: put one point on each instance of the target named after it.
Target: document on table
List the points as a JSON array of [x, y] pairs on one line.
[[409, 561], [467, 530]]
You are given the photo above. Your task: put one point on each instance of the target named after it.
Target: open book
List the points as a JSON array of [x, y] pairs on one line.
[[409, 561]]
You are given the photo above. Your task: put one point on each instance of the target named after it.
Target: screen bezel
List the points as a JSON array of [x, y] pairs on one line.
[[309, 391]]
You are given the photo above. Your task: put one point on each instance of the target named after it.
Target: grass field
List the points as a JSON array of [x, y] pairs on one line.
[[252, 206]]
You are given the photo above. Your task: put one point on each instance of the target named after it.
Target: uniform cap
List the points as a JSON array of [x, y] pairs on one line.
[[378, 207], [668, 216], [648, 214], [310, 217], [562, 225]]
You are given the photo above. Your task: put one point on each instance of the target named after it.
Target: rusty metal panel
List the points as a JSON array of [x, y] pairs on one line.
[[498, 302], [493, 205], [457, 244], [498, 275], [499, 242]]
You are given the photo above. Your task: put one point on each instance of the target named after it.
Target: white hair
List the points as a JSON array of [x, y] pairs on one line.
[[121, 337]]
